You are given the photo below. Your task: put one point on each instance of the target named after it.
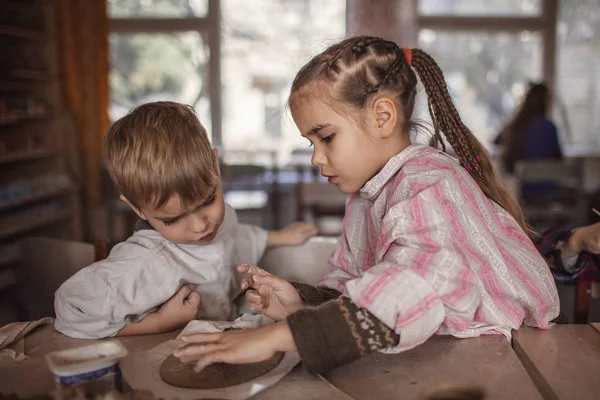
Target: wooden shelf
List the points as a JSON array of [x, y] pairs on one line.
[[9, 261], [31, 155], [29, 75], [21, 85], [49, 194], [36, 131], [32, 226], [13, 31], [8, 279], [23, 6], [26, 119]]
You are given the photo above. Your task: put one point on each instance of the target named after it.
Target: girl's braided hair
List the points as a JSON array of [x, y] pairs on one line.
[[358, 67]]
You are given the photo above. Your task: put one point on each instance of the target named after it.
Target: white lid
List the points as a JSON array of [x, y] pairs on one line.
[[85, 359]]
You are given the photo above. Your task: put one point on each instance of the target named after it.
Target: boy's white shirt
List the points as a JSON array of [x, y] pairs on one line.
[[143, 272]]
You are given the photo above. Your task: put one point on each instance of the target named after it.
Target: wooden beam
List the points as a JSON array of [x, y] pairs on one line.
[[139, 25], [485, 24]]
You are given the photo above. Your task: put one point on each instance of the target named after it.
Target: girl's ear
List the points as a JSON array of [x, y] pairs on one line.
[[386, 116]]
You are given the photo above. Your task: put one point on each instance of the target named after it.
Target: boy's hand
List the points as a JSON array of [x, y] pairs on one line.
[[272, 296], [181, 308], [176, 312], [292, 235]]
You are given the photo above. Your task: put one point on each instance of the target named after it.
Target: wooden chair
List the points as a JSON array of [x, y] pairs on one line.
[[46, 264], [582, 302], [102, 249], [319, 200], [248, 191], [565, 175]]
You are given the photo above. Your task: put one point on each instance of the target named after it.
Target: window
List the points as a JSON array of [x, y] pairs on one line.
[[150, 67], [157, 8], [191, 51], [578, 72], [486, 73], [161, 50], [260, 57], [489, 8], [489, 51]]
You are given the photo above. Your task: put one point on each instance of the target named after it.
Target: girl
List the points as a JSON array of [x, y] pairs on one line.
[[431, 244], [530, 135]]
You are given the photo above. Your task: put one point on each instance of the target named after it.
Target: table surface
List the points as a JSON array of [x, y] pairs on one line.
[[486, 362], [563, 361]]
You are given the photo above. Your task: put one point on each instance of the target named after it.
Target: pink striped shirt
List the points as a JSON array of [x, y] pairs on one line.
[[426, 252]]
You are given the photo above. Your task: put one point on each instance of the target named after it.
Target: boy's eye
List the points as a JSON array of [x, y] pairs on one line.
[[170, 221], [327, 139]]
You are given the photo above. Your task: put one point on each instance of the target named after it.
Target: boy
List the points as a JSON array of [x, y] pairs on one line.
[[179, 264]]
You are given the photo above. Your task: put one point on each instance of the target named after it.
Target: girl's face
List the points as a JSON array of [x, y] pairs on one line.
[[346, 152]]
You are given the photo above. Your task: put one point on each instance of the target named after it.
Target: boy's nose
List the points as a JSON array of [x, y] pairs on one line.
[[198, 223]]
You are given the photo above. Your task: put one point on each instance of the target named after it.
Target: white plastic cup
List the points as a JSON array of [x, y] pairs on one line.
[[94, 368]]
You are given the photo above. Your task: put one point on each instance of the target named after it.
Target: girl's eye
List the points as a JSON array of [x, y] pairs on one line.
[[211, 201], [328, 139]]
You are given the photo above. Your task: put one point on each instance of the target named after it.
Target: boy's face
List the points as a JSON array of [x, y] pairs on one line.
[[197, 224]]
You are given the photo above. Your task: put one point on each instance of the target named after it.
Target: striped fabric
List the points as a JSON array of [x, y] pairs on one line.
[[426, 252]]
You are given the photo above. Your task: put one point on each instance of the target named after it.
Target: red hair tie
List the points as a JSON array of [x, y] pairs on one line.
[[408, 54]]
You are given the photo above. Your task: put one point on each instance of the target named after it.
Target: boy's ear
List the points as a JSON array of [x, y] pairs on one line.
[[135, 209], [218, 165]]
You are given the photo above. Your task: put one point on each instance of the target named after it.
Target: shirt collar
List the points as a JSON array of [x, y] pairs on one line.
[[373, 187]]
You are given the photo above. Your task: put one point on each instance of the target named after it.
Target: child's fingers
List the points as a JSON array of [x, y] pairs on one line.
[[184, 292], [251, 270], [200, 338], [253, 296], [271, 281], [246, 282], [194, 299], [211, 358], [196, 351]]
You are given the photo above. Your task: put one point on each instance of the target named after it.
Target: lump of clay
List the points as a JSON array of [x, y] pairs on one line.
[[215, 376]]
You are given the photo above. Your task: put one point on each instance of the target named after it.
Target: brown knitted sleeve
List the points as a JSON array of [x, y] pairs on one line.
[[314, 296], [336, 333]]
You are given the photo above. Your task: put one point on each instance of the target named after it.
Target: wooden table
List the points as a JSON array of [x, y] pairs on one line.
[[563, 361], [485, 362]]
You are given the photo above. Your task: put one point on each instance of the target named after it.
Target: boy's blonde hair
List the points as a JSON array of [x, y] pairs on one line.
[[158, 150]]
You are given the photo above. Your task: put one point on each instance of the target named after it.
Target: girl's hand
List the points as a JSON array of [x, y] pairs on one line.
[[236, 347], [272, 296]]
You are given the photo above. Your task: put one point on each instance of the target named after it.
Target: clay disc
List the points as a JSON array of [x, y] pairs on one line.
[[215, 376]]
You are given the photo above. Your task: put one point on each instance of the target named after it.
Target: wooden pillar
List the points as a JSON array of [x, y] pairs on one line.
[[395, 20], [550, 16]]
